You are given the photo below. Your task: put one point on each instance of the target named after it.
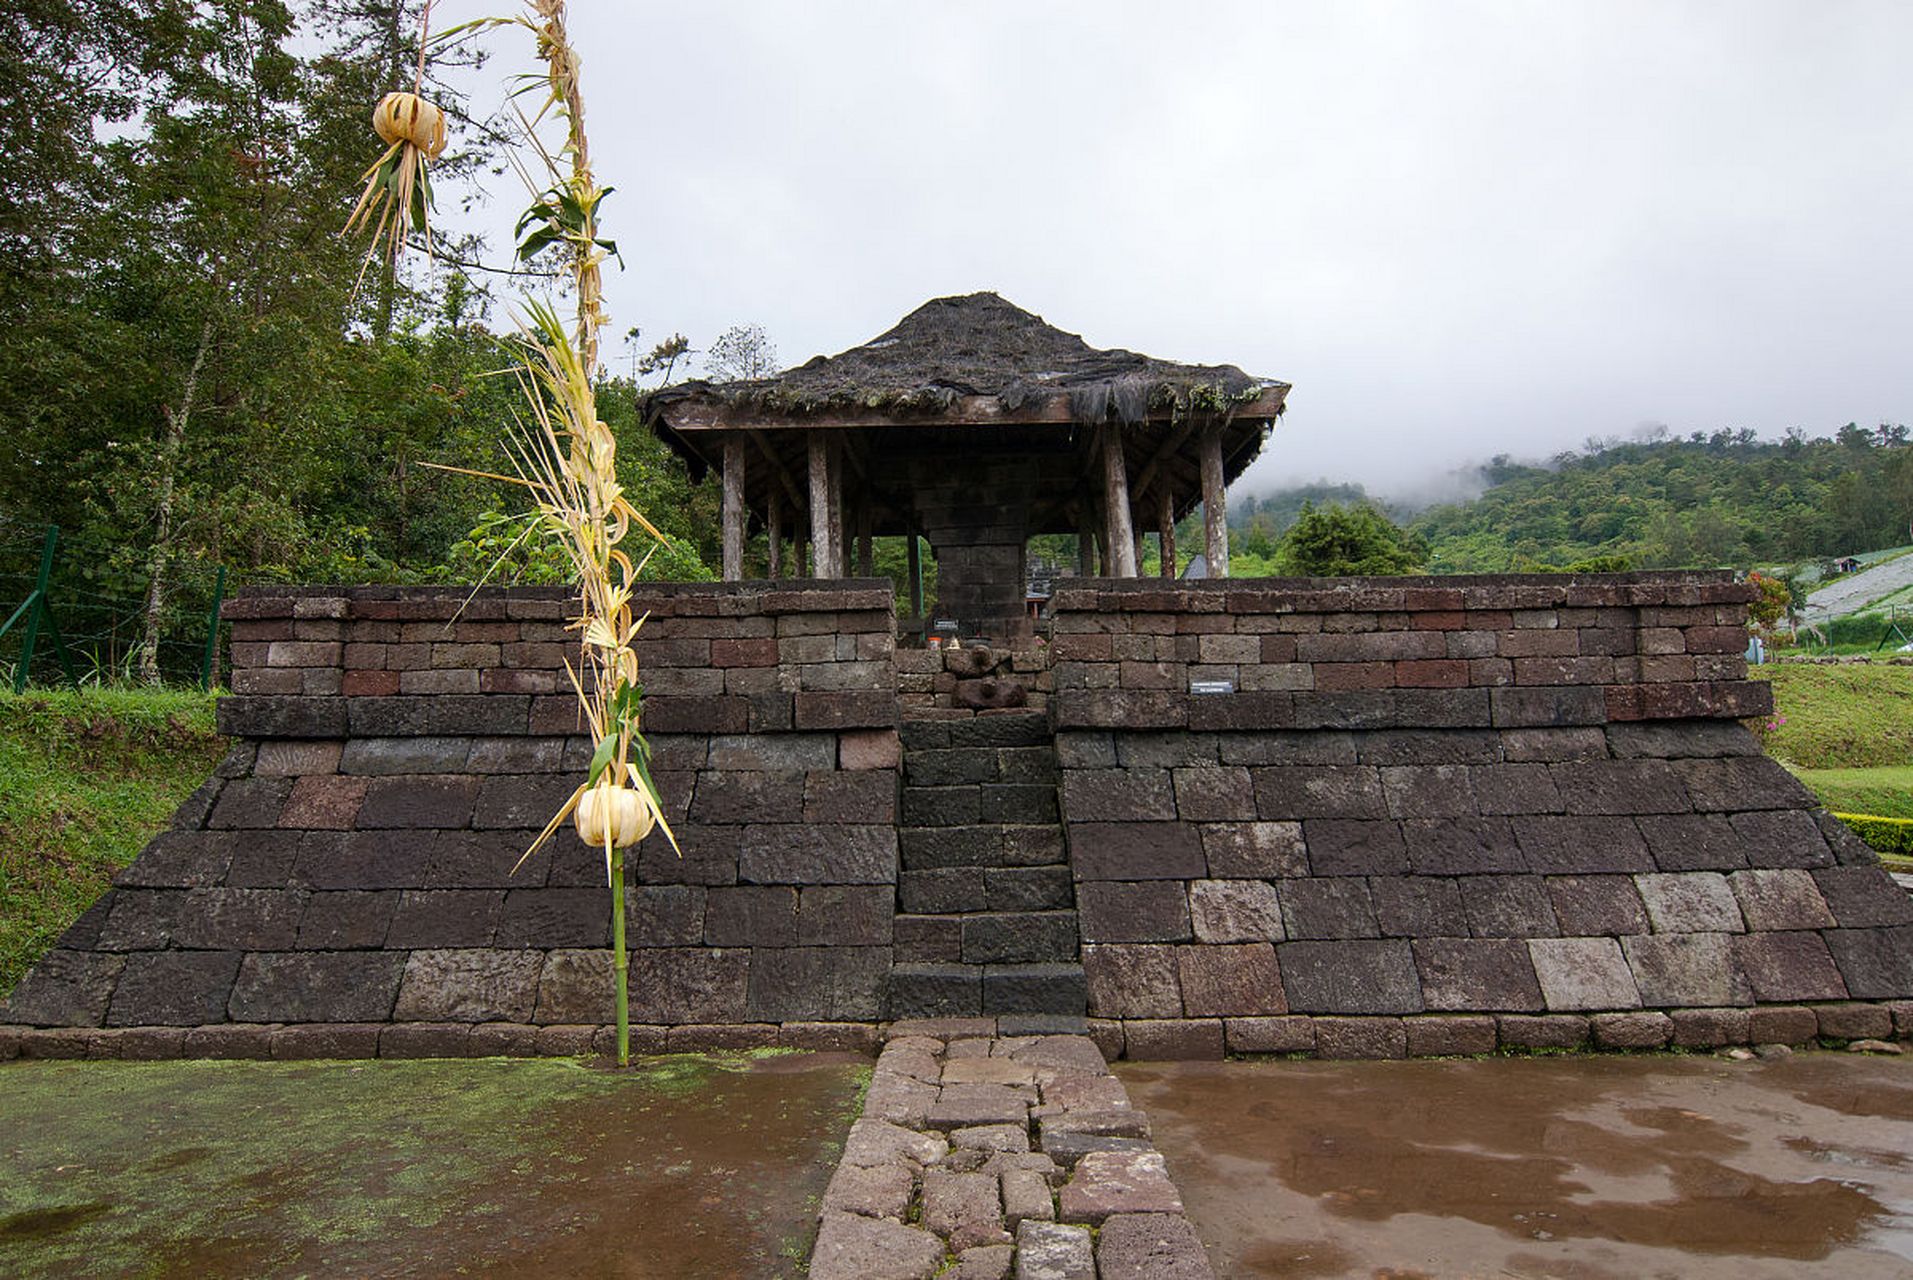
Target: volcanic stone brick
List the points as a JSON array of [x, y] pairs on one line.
[[1150, 1040], [347, 920], [1781, 838], [1631, 1030], [1271, 747], [1418, 906], [1294, 1034], [1305, 791], [1019, 937], [1462, 846], [1118, 795], [1024, 803], [493, 860], [816, 855], [323, 803], [469, 986], [1591, 905], [1355, 848], [1583, 973], [1532, 745], [1862, 897], [141, 920], [850, 1246], [845, 915], [1692, 842], [1508, 789], [1135, 851], [1854, 1021], [1780, 899], [65, 989], [947, 889], [385, 756], [1693, 970], [1133, 911], [1571, 846], [1741, 783], [418, 801], [316, 986], [1236, 980], [863, 796], [751, 915], [1262, 850], [1876, 963], [215, 919], [1509, 907], [1235, 911], [554, 918], [664, 915], [724, 797], [1848, 849], [1151, 1246], [1428, 791], [817, 983], [187, 859], [445, 918], [1132, 981], [1788, 966], [1029, 888], [574, 988], [1350, 977], [1345, 1038], [1214, 794], [1781, 1025], [1690, 902], [1710, 1028], [1477, 974], [522, 800], [675, 985], [1538, 707], [1598, 787], [1047, 988], [1328, 908], [934, 990], [1542, 1031], [251, 802]]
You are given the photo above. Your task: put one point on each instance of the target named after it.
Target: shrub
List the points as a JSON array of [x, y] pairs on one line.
[[1882, 835]]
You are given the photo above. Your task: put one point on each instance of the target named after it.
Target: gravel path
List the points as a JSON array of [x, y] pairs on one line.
[[1844, 595]]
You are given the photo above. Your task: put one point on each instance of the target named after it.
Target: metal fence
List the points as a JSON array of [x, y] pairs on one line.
[[61, 626]]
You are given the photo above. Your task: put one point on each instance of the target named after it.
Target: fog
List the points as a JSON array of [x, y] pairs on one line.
[[1458, 229]]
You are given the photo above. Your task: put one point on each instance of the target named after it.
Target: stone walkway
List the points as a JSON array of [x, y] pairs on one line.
[[1000, 1156]]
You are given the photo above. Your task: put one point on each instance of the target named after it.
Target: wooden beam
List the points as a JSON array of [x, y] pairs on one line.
[[734, 511], [774, 534], [1164, 451], [778, 468], [693, 415], [1215, 515], [1116, 517], [914, 556], [817, 446], [1166, 531]]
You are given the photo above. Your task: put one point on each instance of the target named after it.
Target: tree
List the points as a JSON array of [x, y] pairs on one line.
[[1343, 541], [743, 352]]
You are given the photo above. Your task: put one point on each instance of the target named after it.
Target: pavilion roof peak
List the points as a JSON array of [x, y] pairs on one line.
[[981, 344]]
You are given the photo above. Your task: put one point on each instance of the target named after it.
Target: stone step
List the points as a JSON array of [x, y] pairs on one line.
[[950, 890], [980, 803], [1001, 729], [965, 990], [956, 766], [981, 845]]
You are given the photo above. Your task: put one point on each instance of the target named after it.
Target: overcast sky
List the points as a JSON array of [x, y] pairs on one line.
[[1457, 229]]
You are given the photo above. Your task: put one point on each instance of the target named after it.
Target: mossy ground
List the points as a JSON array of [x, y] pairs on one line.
[[683, 1166], [86, 779]]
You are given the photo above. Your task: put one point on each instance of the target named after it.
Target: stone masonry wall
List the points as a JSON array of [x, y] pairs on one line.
[[348, 880], [1441, 815]]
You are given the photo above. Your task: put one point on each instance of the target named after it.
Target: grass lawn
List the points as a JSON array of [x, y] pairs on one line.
[[86, 779], [1856, 716], [1886, 792], [694, 1166]]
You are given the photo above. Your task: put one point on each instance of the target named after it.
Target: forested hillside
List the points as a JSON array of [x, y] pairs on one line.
[[1725, 499]]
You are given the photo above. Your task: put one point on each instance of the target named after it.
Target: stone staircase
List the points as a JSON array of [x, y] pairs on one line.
[[987, 909]]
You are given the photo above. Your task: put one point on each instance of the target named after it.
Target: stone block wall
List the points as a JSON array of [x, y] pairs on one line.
[[355, 862], [1447, 813]]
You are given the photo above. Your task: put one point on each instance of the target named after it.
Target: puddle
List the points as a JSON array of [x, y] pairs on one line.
[[1585, 1167], [687, 1166]]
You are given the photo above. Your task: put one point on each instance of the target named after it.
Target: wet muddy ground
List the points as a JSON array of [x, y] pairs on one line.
[[686, 1166], [1590, 1167]]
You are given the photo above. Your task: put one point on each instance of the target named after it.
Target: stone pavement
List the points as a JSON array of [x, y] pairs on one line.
[[982, 1156]]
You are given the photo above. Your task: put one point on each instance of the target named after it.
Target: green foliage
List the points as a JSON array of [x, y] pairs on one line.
[[1884, 834], [1341, 541], [1846, 716], [1773, 601]]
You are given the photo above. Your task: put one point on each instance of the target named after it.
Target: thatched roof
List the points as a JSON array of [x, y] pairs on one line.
[[979, 345]]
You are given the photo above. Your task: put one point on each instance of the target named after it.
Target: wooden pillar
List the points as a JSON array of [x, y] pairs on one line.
[[915, 557], [1121, 542], [774, 534], [796, 548], [1215, 515], [1166, 531], [1086, 540], [839, 550], [866, 553], [818, 450], [734, 513], [1136, 551]]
